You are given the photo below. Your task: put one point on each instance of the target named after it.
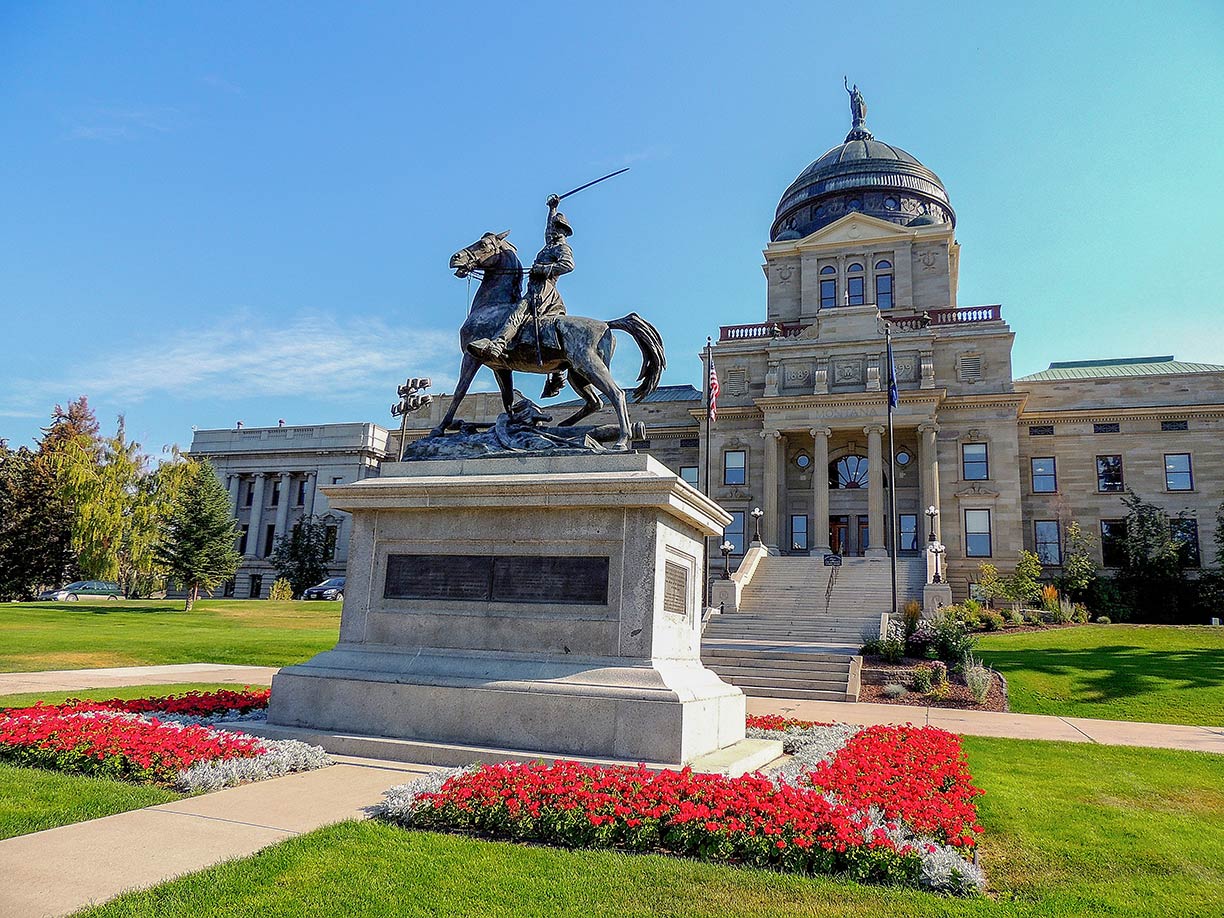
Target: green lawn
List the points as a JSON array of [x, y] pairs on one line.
[[1161, 674], [32, 799], [1070, 830], [81, 635]]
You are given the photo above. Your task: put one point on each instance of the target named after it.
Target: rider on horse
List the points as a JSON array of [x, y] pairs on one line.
[[542, 299]]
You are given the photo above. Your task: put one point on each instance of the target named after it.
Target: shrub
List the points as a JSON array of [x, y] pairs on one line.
[[895, 690], [1080, 613], [1049, 597], [1065, 613], [871, 646], [1103, 620], [992, 620], [922, 678], [919, 642], [892, 648], [952, 641], [1016, 617], [969, 614], [977, 677], [912, 613], [939, 692], [281, 590], [1032, 616], [939, 673]]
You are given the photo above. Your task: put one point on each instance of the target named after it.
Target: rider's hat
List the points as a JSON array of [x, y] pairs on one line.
[[561, 225]]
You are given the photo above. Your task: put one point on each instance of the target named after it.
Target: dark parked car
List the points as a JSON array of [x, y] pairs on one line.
[[83, 589], [331, 588]]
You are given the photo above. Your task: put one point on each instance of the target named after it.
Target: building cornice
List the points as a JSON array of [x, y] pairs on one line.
[[871, 400], [1016, 400], [1143, 412]]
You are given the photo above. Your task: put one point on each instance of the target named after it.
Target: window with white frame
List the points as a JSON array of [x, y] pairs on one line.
[[1178, 474], [975, 462], [977, 534], [735, 467]]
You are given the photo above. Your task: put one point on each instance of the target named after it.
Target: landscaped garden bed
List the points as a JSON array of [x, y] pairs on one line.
[[165, 740], [888, 805], [880, 679]]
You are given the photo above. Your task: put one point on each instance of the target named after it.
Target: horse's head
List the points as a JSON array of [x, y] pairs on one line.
[[482, 254]]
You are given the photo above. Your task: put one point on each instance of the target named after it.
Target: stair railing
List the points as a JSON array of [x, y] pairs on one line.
[[829, 588]]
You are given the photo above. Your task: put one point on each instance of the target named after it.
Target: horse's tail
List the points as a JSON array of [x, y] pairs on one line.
[[653, 359]]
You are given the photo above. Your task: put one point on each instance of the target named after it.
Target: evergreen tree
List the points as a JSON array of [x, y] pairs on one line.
[[35, 527], [301, 556], [198, 538]]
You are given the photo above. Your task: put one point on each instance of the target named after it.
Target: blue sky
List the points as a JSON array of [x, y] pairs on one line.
[[232, 210]]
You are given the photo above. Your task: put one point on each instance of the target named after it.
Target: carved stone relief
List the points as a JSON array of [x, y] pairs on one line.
[[848, 371], [736, 382], [796, 376], [906, 367]]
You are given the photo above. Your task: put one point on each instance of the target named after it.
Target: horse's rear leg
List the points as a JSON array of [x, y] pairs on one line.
[[467, 371], [589, 365], [590, 397]]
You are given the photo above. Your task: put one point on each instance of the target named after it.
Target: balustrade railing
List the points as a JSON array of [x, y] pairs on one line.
[[965, 315]]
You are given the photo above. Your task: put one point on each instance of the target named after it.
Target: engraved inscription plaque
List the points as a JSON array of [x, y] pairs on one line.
[[492, 578], [675, 588]]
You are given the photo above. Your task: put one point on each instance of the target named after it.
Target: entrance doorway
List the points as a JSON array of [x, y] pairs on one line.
[[864, 539], [839, 534]]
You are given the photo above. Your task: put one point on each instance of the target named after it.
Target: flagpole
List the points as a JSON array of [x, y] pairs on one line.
[[705, 541], [892, 464]]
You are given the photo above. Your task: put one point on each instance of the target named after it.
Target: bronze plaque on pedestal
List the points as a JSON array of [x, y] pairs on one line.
[[532, 579]]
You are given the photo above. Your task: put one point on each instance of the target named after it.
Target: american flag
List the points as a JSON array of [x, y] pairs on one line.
[[713, 392]]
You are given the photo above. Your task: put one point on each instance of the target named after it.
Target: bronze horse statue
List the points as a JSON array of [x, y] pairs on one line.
[[580, 345]]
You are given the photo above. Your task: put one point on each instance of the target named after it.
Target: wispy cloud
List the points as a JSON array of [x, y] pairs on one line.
[[221, 83], [111, 123], [240, 357]]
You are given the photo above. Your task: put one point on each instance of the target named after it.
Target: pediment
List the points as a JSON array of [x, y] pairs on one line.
[[977, 492], [853, 228]]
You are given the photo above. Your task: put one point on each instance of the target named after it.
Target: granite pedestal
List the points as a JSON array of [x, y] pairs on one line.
[[546, 605]]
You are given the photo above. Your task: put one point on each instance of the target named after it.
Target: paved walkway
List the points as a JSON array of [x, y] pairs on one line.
[[58, 871], [994, 723], [69, 680]]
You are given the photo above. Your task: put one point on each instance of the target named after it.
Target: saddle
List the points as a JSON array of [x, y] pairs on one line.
[[549, 339]]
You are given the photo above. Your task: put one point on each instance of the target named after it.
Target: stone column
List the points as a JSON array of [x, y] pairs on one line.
[[235, 488], [310, 493], [875, 491], [773, 526], [282, 508], [253, 539], [928, 459], [820, 488]]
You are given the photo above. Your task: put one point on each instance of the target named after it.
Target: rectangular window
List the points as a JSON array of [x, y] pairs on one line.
[[1109, 474], [734, 471], [256, 587], [1049, 543], [242, 540], [799, 532], [974, 462], [276, 493], [884, 291], [977, 533], [1178, 474], [1042, 430], [1185, 533], [854, 288], [269, 538], [689, 474], [828, 294], [1113, 542], [1045, 477], [689, 443], [1106, 428], [1174, 425], [250, 493], [228, 590], [907, 526], [329, 543], [301, 493], [734, 533]]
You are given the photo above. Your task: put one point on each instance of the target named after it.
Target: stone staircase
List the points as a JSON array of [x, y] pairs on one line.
[[800, 624]]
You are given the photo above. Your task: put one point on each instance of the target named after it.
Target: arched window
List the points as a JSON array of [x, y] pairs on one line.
[[855, 285], [884, 284], [849, 472], [828, 287]]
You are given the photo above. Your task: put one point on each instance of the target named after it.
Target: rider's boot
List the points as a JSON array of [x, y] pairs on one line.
[[487, 349], [554, 385]]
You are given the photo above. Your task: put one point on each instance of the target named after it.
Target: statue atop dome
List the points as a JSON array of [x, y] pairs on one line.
[[858, 106]]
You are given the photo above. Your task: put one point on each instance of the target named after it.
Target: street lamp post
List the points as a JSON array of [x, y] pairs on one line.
[[726, 548], [757, 513], [931, 513]]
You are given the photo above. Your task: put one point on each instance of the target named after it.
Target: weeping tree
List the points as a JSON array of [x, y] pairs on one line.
[[198, 536]]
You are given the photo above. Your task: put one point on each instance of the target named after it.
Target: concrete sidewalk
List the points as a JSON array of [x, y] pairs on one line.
[[69, 680], [995, 723], [58, 871]]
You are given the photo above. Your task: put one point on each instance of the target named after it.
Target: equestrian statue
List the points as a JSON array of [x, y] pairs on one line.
[[511, 330]]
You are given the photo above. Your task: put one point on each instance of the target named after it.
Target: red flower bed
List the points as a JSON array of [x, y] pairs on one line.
[[778, 722], [194, 704], [916, 774], [111, 743], [747, 819]]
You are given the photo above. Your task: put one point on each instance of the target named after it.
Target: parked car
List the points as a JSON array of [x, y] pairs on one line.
[[331, 588], [83, 589]]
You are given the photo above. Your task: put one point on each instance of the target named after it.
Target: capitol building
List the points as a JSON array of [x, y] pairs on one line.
[[865, 235]]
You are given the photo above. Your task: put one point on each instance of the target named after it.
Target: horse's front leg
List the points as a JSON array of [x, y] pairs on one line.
[[467, 371], [505, 383]]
